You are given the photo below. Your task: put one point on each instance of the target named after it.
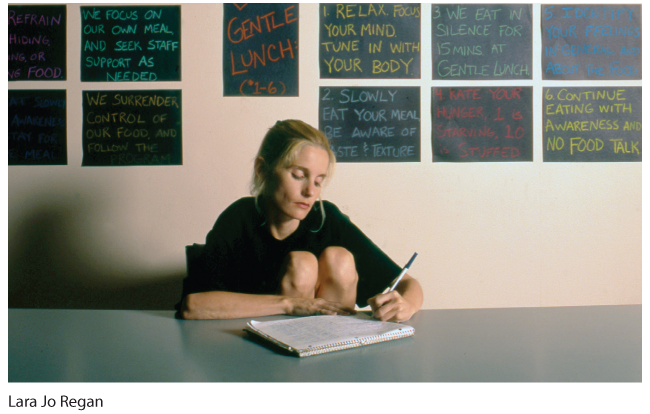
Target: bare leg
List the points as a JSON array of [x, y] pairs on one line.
[[300, 275], [337, 276]]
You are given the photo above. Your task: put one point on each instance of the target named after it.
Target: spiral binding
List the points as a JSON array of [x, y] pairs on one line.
[[339, 346]]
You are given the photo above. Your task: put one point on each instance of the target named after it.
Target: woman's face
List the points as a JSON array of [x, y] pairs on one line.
[[299, 185]]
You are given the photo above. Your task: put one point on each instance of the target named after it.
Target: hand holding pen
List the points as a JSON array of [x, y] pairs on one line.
[[390, 305]]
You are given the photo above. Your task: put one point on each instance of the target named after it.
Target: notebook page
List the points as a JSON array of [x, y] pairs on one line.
[[301, 333]]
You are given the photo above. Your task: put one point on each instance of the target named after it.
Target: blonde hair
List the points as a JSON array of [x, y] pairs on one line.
[[280, 146]]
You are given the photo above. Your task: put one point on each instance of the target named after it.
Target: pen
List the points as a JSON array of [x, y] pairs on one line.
[[402, 273]]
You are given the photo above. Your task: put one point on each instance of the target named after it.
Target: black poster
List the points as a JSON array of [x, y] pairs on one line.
[[37, 42], [482, 41], [37, 127], [122, 128], [371, 124], [370, 41], [260, 49], [592, 124], [130, 43], [591, 42], [486, 124]]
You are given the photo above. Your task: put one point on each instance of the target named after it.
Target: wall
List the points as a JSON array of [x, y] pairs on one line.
[[488, 235]]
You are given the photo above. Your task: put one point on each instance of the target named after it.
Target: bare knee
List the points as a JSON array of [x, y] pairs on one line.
[[300, 275], [337, 266]]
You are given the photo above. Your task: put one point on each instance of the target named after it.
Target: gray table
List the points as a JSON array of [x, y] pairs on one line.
[[583, 344]]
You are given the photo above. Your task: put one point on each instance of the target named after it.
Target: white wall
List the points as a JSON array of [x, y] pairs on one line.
[[488, 235]]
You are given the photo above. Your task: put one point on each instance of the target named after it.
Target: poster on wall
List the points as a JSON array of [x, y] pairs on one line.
[[130, 43], [37, 127], [260, 49], [482, 41], [591, 42], [37, 42], [486, 124], [129, 128], [370, 41], [371, 124], [592, 124]]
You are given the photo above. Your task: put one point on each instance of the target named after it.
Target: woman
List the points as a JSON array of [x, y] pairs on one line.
[[285, 251]]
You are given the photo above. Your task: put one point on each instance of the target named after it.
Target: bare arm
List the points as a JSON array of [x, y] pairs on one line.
[[410, 289], [230, 305], [399, 305]]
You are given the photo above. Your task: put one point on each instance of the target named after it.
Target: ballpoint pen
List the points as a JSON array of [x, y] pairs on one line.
[[402, 273]]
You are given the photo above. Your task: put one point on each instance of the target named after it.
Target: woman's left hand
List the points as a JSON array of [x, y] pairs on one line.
[[391, 307]]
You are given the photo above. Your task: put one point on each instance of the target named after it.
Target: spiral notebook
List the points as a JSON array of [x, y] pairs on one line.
[[313, 335]]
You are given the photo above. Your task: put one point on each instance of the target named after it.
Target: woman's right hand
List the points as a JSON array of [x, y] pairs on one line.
[[315, 306]]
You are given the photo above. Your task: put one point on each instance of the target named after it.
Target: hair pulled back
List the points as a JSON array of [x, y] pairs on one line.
[[279, 148]]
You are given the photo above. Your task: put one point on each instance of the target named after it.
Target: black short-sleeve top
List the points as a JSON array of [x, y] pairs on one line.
[[241, 255]]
